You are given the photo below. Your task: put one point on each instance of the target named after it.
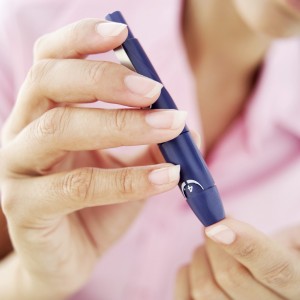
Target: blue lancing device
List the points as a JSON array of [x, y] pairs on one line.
[[196, 183]]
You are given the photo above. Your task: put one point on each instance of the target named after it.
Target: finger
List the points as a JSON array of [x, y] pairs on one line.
[[234, 278], [150, 155], [202, 282], [269, 262], [54, 82], [182, 290], [76, 40], [36, 200], [47, 139], [196, 138]]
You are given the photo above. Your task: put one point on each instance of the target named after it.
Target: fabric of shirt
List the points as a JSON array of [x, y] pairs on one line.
[[256, 164]]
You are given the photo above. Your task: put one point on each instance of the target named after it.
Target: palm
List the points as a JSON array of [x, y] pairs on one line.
[[92, 230]]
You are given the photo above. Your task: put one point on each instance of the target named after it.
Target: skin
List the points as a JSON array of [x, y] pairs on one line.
[[226, 58], [56, 196], [247, 264], [64, 196]]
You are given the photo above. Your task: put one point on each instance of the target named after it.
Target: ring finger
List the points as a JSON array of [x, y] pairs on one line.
[[55, 195]]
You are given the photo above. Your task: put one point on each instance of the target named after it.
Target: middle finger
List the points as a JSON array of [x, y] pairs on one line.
[[62, 129]]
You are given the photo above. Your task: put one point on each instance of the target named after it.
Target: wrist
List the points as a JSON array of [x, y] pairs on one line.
[[17, 283]]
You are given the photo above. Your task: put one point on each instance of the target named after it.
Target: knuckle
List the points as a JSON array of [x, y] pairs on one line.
[[75, 29], [280, 275], [125, 181], [39, 46], [78, 185], [96, 71], [8, 172], [119, 119], [74, 35], [232, 277], [39, 71], [5, 133], [52, 124], [247, 251], [8, 200]]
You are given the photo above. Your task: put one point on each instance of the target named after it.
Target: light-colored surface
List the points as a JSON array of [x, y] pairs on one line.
[[3, 8]]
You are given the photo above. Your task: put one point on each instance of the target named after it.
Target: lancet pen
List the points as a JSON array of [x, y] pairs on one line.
[[196, 182]]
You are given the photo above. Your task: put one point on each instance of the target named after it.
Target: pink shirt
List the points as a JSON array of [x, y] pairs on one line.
[[256, 165]]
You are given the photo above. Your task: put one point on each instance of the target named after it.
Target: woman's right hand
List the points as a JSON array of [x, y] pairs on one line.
[[65, 199]]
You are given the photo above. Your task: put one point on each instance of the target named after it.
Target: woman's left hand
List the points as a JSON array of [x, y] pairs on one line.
[[239, 262]]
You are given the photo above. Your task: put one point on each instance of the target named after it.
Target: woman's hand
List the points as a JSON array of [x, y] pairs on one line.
[[65, 200], [239, 262]]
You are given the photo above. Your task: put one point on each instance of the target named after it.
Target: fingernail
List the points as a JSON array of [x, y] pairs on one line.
[[197, 140], [143, 86], [165, 175], [110, 29], [221, 234], [172, 119]]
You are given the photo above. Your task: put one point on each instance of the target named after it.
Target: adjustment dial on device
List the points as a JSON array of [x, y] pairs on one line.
[[191, 186]]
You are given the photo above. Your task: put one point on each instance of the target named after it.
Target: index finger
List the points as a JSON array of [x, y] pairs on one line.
[[79, 39], [269, 262]]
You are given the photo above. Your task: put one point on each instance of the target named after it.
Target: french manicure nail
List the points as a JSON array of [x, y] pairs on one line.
[[164, 175], [110, 29], [143, 86], [221, 234], [166, 119]]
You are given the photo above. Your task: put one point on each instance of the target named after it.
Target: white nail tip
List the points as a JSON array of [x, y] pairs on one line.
[[155, 91], [110, 29]]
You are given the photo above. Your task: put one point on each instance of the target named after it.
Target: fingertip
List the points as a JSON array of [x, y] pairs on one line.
[[227, 230], [111, 29], [109, 35], [165, 175], [197, 139], [143, 86], [81, 38], [221, 233]]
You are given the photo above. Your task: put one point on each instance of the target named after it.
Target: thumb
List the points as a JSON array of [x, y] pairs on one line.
[[268, 261]]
